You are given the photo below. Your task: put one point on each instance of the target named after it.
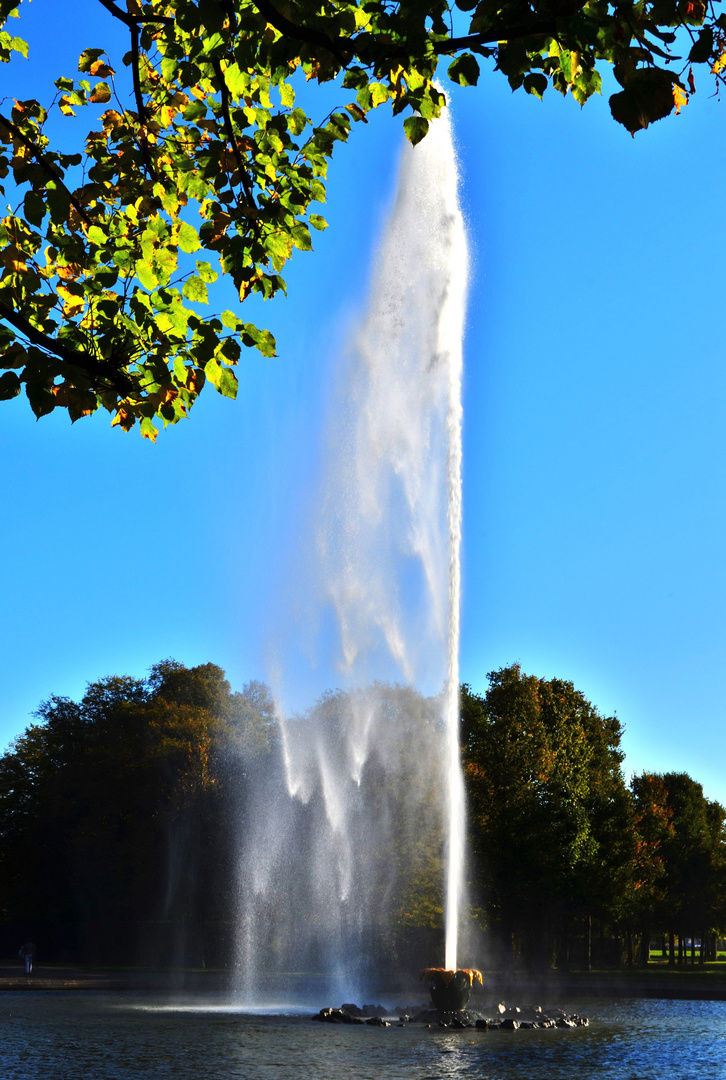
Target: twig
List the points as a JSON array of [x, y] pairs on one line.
[[51, 169], [229, 129], [339, 47], [133, 20], [76, 359]]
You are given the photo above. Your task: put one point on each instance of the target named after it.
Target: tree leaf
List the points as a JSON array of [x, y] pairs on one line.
[[206, 271], [101, 94], [415, 128], [464, 70], [188, 238], [535, 83], [702, 47], [195, 289], [148, 430], [648, 96], [9, 385]]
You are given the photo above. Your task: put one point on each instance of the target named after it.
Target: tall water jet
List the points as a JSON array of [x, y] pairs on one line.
[[345, 818]]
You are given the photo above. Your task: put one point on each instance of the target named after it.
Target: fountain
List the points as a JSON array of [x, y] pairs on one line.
[[333, 832]]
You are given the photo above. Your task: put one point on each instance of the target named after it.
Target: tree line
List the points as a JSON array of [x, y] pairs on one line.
[[576, 866], [120, 819]]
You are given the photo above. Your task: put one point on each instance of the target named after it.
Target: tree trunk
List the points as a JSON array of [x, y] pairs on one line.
[[671, 949], [629, 946], [588, 944]]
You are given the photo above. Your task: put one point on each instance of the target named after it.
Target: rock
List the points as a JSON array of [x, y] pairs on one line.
[[376, 1021], [330, 1016], [352, 1010], [530, 1012], [509, 1024], [483, 1024]]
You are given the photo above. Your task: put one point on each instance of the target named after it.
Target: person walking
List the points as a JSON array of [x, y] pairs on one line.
[[27, 953]]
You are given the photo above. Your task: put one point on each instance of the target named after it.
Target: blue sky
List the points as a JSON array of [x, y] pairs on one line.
[[594, 433]]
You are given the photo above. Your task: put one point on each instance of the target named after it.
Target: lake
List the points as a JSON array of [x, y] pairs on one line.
[[64, 1036]]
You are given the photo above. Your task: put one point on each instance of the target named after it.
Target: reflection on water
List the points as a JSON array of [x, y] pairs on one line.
[[67, 1036]]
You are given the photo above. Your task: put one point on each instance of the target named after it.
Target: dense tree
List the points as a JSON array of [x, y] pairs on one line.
[[104, 267], [681, 840], [122, 807], [549, 810]]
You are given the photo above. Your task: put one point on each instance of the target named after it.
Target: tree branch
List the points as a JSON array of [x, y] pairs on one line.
[[51, 169], [116, 378], [496, 33], [344, 48], [140, 104], [229, 130], [133, 20], [339, 47]]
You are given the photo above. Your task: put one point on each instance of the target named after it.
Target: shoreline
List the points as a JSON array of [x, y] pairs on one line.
[[657, 981]]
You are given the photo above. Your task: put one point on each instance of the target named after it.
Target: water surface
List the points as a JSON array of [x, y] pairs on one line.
[[60, 1036]]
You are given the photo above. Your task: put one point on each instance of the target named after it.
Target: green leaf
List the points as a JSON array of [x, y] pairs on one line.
[[195, 110], [9, 385], [196, 290], [415, 128], [237, 81], [703, 47], [221, 377], [148, 430], [188, 238], [96, 236], [379, 93], [648, 96], [101, 94], [206, 271], [87, 58], [279, 248], [146, 274], [301, 237], [297, 121], [464, 70], [318, 222], [227, 384], [35, 208], [287, 95], [535, 83]]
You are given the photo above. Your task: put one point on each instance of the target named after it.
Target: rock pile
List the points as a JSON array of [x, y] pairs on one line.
[[496, 1017], [373, 1015]]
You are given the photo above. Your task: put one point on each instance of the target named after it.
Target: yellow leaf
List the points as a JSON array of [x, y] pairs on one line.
[[720, 64], [72, 304], [680, 97], [13, 259], [100, 94]]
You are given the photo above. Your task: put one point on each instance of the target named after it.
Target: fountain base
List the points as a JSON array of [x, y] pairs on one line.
[[450, 990]]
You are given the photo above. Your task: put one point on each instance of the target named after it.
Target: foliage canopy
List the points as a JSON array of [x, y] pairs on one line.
[[105, 263]]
